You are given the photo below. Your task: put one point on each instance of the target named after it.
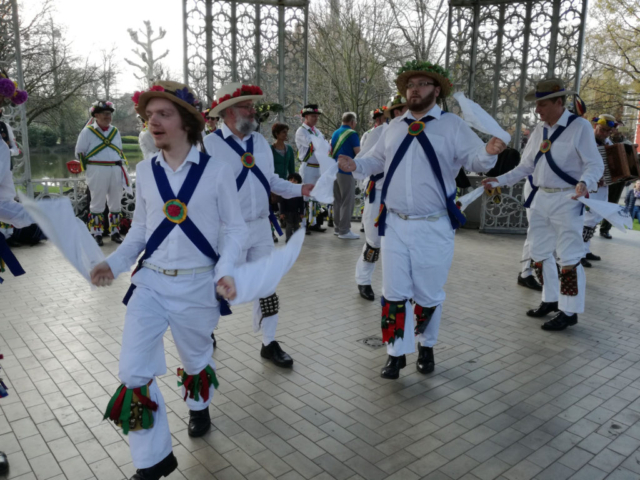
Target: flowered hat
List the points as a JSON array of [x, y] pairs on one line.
[[311, 108], [397, 101], [9, 92], [379, 112], [206, 115], [100, 106], [425, 69], [229, 95], [176, 92], [548, 88], [606, 120]]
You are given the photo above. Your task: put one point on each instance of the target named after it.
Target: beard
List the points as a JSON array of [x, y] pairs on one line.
[[246, 125], [422, 104]]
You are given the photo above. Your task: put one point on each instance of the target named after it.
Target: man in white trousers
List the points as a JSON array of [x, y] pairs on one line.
[[99, 149], [185, 203], [249, 156], [366, 263], [603, 127], [564, 162], [420, 154]]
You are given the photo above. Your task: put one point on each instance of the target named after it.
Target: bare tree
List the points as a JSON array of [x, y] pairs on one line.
[[109, 72], [151, 68]]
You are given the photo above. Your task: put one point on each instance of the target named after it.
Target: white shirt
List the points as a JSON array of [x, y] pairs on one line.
[[303, 141], [369, 141], [147, 144], [87, 141], [11, 212], [254, 202], [213, 206], [13, 146], [575, 152], [414, 189]]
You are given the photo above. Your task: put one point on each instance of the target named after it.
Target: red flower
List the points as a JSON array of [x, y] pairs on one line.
[[174, 211], [156, 88], [136, 97], [236, 93]]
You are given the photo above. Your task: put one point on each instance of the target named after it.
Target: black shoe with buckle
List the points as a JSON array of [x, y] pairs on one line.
[[391, 369], [274, 353], [529, 282], [366, 292], [544, 309], [585, 263], [592, 257], [560, 322], [159, 470], [99, 240], [606, 235], [116, 237], [213, 337], [199, 422], [4, 463], [425, 362]]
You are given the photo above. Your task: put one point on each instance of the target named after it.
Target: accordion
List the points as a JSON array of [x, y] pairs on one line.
[[621, 162]]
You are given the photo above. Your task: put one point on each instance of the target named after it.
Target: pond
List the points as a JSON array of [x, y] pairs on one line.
[[54, 165]]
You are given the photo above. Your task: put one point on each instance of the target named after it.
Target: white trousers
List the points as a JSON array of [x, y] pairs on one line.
[[416, 258], [591, 219], [555, 224], [105, 184], [187, 304], [364, 270], [310, 175]]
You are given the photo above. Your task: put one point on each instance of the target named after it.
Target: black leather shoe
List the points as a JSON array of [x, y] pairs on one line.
[[199, 422], [318, 228], [593, 258], [391, 369], [4, 464], [545, 308], [560, 322], [529, 282], [362, 229], [425, 363], [274, 353], [585, 263], [159, 470], [99, 240], [116, 237], [213, 337], [366, 292], [606, 235]]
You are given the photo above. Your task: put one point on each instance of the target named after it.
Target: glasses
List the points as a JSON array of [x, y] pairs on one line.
[[419, 84]]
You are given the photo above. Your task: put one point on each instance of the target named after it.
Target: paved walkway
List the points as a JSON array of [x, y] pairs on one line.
[[507, 400]]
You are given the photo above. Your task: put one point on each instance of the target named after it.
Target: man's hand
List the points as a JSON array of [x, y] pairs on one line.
[[101, 275], [226, 288], [346, 164], [581, 190], [486, 183], [495, 146], [306, 189]]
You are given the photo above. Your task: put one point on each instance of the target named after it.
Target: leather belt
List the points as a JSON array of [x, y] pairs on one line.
[[176, 272], [105, 164], [429, 218], [313, 165]]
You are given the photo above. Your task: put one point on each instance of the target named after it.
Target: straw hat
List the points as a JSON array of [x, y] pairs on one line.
[[229, 95], [176, 92], [548, 88], [397, 101], [425, 69]]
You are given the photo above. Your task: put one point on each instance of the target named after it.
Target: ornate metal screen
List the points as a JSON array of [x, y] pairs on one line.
[[498, 49], [262, 42]]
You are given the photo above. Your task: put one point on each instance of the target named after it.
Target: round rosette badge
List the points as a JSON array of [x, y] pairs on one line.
[[248, 160], [416, 128], [545, 146], [175, 211]]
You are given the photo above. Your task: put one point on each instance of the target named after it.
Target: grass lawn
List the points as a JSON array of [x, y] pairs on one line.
[[636, 225]]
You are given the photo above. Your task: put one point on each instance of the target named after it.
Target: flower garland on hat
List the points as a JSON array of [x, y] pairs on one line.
[[378, 112], [101, 105], [9, 91], [308, 110], [603, 120], [183, 94], [240, 92]]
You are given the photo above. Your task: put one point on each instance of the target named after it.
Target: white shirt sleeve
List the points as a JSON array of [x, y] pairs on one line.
[[82, 145], [373, 162], [302, 142], [11, 212], [470, 150], [13, 146]]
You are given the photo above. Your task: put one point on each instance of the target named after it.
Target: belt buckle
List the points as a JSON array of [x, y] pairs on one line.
[[403, 216], [170, 273]]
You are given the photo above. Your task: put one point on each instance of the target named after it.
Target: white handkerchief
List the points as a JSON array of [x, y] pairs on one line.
[[477, 118], [323, 190], [464, 201], [616, 214]]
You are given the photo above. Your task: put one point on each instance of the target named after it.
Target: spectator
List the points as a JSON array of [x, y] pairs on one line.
[[632, 201], [344, 141], [283, 158], [292, 209]]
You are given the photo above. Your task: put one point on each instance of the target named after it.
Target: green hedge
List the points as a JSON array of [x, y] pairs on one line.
[[130, 139], [127, 147]]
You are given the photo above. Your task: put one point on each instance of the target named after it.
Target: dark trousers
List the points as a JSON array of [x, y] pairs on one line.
[[615, 192], [292, 222]]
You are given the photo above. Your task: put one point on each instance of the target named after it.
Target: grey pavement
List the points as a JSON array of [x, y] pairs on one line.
[[507, 400]]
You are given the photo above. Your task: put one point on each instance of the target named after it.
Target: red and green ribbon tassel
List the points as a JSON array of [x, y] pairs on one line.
[[115, 405], [393, 317], [197, 386]]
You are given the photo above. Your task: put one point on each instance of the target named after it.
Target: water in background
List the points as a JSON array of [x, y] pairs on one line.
[[54, 165]]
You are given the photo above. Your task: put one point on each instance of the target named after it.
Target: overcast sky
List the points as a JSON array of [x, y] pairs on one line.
[[91, 26]]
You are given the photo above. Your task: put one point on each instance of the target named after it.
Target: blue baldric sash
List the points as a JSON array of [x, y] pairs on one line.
[[9, 259], [545, 149], [175, 210], [416, 130], [249, 163]]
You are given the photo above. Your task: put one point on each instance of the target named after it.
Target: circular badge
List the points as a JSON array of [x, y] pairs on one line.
[[545, 146], [416, 128], [248, 160], [107, 142], [175, 211]]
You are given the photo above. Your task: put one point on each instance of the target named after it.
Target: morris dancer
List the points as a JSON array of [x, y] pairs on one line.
[[309, 166], [211, 123], [603, 126], [249, 156], [145, 141], [371, 249], [562, 157], [185, 203], [378, 116], [99, 149], [421, 154]]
